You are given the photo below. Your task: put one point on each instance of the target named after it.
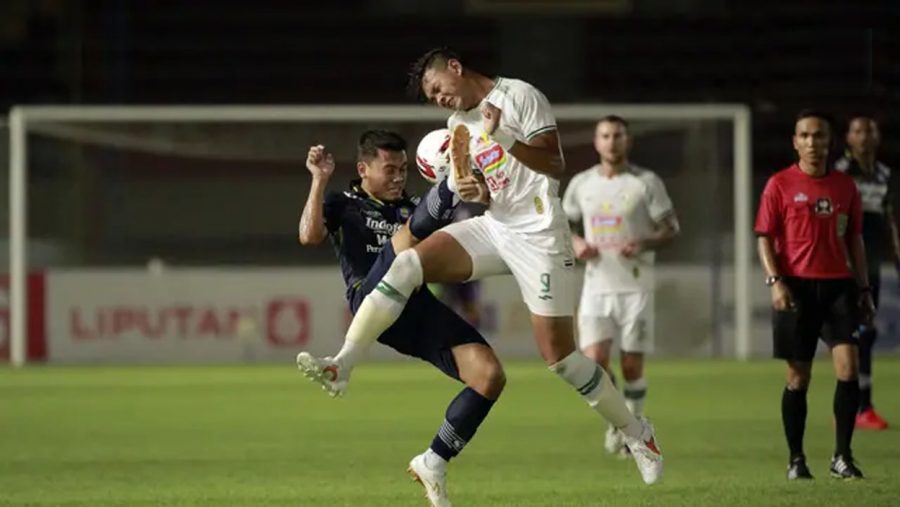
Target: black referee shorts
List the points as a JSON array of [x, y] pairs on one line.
[[822, 308]]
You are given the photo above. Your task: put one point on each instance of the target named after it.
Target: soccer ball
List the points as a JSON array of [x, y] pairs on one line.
[[433, 155]]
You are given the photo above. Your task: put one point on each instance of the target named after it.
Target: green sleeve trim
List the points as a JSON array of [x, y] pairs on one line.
[[542, 130]]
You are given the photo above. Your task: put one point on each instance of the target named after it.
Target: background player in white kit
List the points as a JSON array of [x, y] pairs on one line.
[[524, 232], [626, 214]]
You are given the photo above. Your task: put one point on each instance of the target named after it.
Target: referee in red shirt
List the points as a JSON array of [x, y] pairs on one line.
[[810, 244]]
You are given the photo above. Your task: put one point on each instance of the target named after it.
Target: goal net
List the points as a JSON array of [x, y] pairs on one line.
[[169, 233]]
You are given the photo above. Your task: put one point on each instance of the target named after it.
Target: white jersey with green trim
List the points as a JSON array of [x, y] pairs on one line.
[[521, 199], [615, 211]]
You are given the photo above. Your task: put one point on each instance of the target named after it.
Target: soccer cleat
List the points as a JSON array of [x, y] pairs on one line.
[[646, 453], [326, 372], [843, 467], [434, 481], [797, 469], [460, 160], [614, 442], [870, 420]]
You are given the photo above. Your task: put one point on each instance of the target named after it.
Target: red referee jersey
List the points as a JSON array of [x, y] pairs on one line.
[[810, 220]]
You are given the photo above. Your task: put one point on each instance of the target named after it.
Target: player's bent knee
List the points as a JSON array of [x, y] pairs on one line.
[[444, 259], [406, 270], [495, 379], [489, 380]]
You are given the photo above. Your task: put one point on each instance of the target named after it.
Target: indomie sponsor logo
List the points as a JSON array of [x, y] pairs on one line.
[[490, 159], [382, 225]]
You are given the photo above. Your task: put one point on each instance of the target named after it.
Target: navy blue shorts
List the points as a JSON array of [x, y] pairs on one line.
[[427, 329]]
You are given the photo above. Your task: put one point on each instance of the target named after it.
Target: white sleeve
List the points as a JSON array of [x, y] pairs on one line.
[[570, 200], [658, 202], [527, 105]]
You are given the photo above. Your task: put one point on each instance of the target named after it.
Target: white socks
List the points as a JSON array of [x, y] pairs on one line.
[[596, 388], [434, 461], [381, 308], [635, 393]]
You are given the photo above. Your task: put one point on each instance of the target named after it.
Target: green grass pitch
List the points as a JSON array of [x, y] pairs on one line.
[[258, 436]]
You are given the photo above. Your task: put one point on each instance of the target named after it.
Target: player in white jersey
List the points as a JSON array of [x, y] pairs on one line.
[[626, 214], [524, 232]]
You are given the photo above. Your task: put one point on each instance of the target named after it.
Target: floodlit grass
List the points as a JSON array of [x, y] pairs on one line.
[[256, 436]]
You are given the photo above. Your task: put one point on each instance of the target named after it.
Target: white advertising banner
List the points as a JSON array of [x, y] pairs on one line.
[[209, 315], [192, 315], [227, 315]]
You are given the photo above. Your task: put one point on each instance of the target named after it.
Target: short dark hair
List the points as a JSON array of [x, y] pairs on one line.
[[373, 140], [815, 113], [862, 116], [614, 118], [431, 59]]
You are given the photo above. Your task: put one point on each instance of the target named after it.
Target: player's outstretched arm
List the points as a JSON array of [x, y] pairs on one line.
[[312, 230]]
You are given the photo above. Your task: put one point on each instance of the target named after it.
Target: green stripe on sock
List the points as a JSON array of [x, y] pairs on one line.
[[591, 384], [386, 289], [634, 394]]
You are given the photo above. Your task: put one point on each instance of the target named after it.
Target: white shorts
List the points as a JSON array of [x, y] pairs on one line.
[[542, 263], [627, 316]]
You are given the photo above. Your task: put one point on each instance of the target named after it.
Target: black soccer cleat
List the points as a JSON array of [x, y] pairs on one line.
[[797, 469], [843, 467]]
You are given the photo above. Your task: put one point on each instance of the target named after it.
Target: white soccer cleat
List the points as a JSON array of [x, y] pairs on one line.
[[434, 481], [614, 442], [646, 453], [326, 372]]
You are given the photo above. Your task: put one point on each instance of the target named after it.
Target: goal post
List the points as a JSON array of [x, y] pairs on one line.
[[26, 120]]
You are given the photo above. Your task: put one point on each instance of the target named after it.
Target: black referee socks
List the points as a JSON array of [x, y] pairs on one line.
[[793, 416], [846, 404]]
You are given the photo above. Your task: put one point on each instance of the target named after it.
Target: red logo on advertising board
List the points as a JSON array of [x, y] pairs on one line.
[[287, 322], [36, 337]]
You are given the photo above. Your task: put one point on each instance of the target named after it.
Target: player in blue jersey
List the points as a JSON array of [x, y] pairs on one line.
[[370, 223]]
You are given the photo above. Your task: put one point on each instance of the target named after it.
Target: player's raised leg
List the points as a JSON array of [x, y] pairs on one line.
[[432, 213], [439, 257]]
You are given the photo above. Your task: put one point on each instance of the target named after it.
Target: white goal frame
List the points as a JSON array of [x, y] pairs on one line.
[[21, 118]]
